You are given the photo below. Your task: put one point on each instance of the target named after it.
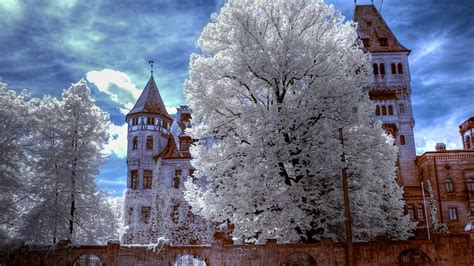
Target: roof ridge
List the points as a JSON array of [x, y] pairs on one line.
[[150, 101]]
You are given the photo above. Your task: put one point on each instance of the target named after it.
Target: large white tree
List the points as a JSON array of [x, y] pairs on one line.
[[65, 202], [275, 82]]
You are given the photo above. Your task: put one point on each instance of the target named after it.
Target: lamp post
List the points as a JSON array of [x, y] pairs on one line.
[[347, 210]]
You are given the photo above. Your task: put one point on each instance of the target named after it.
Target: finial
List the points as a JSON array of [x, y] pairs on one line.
[[151, 66]]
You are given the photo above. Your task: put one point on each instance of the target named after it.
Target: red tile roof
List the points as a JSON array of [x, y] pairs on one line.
[[150, 101]]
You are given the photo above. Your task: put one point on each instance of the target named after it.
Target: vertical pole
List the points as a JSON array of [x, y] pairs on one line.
[[426, 212], [347, 211]]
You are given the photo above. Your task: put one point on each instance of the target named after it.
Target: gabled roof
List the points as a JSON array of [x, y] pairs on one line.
[[150, 101], [171, 150], [372, 26]]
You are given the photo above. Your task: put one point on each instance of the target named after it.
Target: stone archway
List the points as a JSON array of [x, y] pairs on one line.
[[189, 260], [87, 259], [299, 259], [412, 257]]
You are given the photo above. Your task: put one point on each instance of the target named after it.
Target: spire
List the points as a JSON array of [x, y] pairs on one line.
[[374, 32], [150, 101]]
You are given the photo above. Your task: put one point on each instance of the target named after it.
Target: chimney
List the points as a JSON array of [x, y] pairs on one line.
[[440, 147]]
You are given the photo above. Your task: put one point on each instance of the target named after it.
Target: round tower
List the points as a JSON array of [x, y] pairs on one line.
[[466, 130]]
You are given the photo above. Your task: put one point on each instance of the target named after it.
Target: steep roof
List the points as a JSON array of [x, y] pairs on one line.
[[150, 101], [372, 27], [171, 150]]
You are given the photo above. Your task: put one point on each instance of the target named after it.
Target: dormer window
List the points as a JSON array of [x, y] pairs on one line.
[[366, 42], [383, 41]]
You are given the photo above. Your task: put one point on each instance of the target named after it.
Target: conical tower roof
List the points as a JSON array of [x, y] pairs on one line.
[[150, 101], [372, 28]]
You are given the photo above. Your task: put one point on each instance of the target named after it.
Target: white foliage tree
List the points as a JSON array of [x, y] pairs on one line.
[[274, 83], [437, 227], [66, 203]]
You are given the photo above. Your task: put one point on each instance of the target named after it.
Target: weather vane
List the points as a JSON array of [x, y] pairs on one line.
[[151, 66]]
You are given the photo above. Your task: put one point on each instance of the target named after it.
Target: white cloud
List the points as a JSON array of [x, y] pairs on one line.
[[428, 48], [118, 141], [442, 131], [117, 85]]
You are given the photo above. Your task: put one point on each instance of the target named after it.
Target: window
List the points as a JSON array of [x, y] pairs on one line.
[[165, 124], [402, 140], [147, 179], [130, 214], [383, 41], [411, 212], [134, 121], [135, 143], [134, 179], [470, 185], [149, 143], [177, 178], [366, 42], [401, 108], [421, 214], [390, 110], [382, 69], [184, 145], [468, 143], [150, 120], [448, 185], [400, 68], [394, 68], [146, 214], [377, 110], [453, 214], [384, 110], [191, 172], [175, 213], [376, 69]]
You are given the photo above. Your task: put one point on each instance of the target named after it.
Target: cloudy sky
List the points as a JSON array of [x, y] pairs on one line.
[[47, 45]]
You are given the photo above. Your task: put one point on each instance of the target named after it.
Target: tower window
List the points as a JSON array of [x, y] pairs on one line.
[[453, 214], [150, 120], [146, 214], [448, 185], [421, 214], [177, 178], [149, 143], [147, 179], [411, 212], [394, 68], [130, 214], [390, 110], [402, 140], [134, 179], [175, 213], [165, 124], [366, 42], [384, 110], [401, 108], [468, 143], [376, 69], [184, 145], [382, 69], [383, 41], [135, 143], [377, 110], [400, 68], [134, 121], [191, 172]]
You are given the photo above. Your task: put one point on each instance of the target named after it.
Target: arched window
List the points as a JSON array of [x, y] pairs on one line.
[[468, 143], [382, 69], [394, 68], [402, 140], [376, 69], [390, 110], [135, 143], [413, 257], [149, 143], [448, 185], [377, 110], [400, 68], [384, 110]]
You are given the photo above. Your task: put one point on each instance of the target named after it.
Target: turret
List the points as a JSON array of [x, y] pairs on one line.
[[466, 131]]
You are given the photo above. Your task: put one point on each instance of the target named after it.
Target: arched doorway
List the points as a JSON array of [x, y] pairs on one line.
[[87, 260], [189, 260], [412, 257], [299, 259]]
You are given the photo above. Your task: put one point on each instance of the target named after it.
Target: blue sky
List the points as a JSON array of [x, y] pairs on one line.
[[47, 45]]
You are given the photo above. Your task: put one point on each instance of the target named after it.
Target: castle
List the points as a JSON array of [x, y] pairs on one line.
[[158, 149]]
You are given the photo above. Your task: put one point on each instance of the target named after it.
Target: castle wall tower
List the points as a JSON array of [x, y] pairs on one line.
[[390, 89], [467, 133]]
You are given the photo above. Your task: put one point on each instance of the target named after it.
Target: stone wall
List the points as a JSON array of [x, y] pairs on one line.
[[452, 249]]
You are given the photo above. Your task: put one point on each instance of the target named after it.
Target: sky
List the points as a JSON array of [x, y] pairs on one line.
[[47, 45]]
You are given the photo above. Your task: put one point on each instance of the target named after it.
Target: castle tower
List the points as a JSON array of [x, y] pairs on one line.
[[467, 133], [389, 87]]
